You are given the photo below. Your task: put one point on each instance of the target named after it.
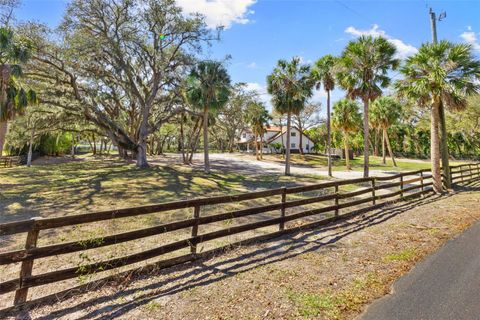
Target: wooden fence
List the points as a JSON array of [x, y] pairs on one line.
[[373, 192]]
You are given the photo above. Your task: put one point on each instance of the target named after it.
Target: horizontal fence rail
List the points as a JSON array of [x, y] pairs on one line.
[[365, 191]]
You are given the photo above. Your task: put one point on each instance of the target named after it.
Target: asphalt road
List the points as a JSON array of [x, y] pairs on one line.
[[446, 285]]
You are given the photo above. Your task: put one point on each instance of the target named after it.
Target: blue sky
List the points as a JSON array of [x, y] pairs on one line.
[[258, 33]]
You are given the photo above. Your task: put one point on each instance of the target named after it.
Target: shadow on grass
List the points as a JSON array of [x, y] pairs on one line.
[[202, 273], [78, 187]]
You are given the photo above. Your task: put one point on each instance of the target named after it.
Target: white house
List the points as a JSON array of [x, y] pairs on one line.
[[276, 136]]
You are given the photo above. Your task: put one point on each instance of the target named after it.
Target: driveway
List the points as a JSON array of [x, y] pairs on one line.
[[246, 164], [444, 286]]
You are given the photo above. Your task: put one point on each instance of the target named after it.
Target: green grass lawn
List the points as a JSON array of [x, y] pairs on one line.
[[357, 163]]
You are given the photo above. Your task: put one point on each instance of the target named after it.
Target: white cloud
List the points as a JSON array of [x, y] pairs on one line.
[[470, 37], [252, 65], [403, 50], [219, 12]]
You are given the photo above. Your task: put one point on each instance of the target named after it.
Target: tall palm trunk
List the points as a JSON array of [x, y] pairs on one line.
[[300, 139], [205, 140], [261, 147], [444, 147], [30, 147], [365, 138], [347, 156], [3, 134], [4, 79], [375, 143], [390, 151], [287, 149], [384, 161], [329, 136], [281, 131], [255, 137], [435, 148]]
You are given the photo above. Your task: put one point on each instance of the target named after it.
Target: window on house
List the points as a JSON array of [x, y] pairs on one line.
[[292, 145], [244, 135], [293, 134]]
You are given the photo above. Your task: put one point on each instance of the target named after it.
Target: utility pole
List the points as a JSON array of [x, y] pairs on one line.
[[441, 111], [433, 25]]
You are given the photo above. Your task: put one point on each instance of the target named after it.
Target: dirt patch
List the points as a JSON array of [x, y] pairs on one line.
[[327, 273]]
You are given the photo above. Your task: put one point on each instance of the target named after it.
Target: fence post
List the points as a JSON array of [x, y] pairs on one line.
[[336, 199], [401, 187], [461, 172], [27, 265], [373, 191], [281, 226], [196, 215], [421, 182]]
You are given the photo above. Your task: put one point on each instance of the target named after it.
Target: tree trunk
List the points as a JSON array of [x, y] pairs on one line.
[[435, 148], [261, 147], [300, 147], [72, 150], [30, 147], [3, 134], [182, 138], [94, 145], [141, 150], [347, 155], [387, 139], [329, 136], [4, 80], [384, 161], [287, 149], [205, 141], [365, 138], [444, 147], [283, 144], [375, 143], [195, 141], [255, 137]]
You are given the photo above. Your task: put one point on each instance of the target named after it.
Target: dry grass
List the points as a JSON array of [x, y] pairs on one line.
[[328, 273]]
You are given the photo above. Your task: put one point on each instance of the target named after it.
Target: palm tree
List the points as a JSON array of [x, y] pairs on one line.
[[346, 118], [324, 74], [208, 88], [13, 97], [384, 112], [444, 73], [290, 85], [363, 73], [256, 115]]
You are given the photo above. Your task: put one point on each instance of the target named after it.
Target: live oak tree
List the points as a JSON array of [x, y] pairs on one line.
[[231, 120], [121, 64], [306, 119]]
